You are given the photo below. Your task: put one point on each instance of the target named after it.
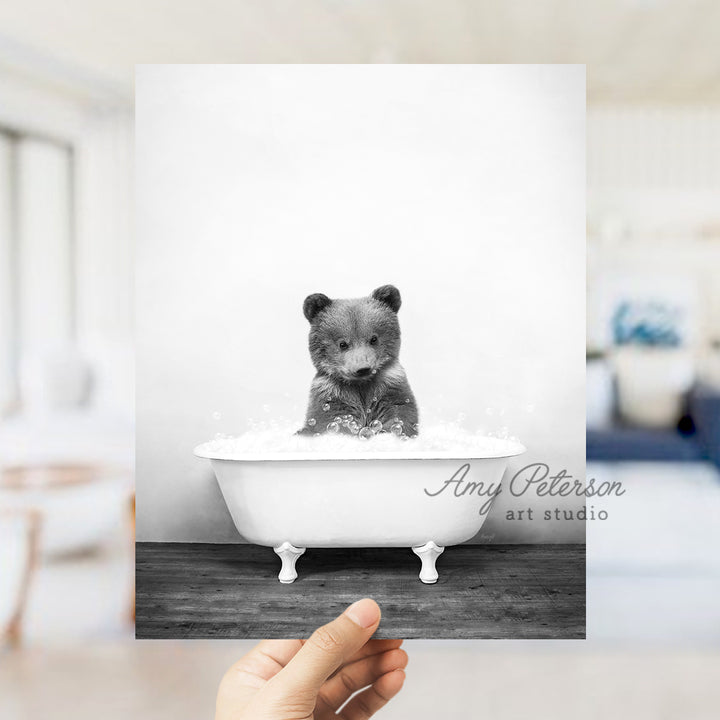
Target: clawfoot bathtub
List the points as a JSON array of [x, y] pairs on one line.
[[426, 501]]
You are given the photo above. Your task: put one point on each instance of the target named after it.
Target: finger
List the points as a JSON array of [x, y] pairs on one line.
[[358, 675], [374, 647], [365, 704], [263, 662], [328, 648], [243, 679]]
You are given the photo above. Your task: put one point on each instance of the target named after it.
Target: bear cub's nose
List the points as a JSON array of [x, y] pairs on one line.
[[363, 372]]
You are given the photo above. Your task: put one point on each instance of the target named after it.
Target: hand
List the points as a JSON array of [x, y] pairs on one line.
[[311, 680]]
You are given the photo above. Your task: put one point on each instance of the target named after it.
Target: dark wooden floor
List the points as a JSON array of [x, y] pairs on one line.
[[485, 591]]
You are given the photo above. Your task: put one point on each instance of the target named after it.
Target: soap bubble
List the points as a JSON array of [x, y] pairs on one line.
[[338, 419], [416, 426], [365, 433], [333, 427], [217, 415], [352, 426], [369, 410], [326, 407], [311, 422], [376, 426], [407, 401], [374, 400], [396, 429]]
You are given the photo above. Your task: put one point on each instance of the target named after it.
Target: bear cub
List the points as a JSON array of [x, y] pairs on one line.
[[360, 387]]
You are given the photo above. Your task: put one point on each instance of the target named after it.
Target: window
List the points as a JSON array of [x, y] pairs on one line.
[[37, 266]]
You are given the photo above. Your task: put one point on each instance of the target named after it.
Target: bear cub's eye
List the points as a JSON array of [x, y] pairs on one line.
[[343, 345], [373, 340]]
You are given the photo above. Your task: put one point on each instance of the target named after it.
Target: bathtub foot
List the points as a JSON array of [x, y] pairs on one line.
[[288, 554], [428, 554]]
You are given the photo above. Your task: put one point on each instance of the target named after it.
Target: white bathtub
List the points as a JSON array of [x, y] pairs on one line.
[[292, 502]]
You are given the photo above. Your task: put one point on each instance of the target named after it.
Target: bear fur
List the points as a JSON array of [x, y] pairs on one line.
[[354, 346]]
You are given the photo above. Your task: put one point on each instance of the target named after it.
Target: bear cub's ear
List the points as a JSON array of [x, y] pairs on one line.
[[314, 304], [389, 295]]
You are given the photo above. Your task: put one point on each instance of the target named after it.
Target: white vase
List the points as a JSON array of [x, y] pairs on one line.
[[599, 394], [652, 383]]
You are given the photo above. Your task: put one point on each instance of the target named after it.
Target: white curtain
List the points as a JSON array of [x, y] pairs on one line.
[[45, 264], [8, 349]]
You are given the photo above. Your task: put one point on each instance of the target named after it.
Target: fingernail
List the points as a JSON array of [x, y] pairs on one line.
[[364, 613]]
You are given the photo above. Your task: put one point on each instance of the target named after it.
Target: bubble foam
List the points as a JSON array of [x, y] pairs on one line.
[[442, 440]]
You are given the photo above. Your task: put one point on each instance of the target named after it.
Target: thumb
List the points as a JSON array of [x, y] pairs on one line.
[[328, 648]]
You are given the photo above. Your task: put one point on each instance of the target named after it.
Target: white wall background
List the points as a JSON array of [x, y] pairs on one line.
[[257, 185], [653, 210]]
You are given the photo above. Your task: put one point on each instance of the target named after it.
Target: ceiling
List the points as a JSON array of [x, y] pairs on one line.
[[644, 51]]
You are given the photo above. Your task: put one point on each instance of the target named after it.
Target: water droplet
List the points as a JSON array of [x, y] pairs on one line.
[[369, 410], [353, 427], [338, 419], [365, 433], [396, 429], [311, 422], [407, 401], [326, 407], [333, 427], [217, 415], [374, 399], [376, 426]]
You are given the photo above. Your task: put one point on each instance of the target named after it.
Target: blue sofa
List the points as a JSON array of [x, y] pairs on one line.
[[696, 438]]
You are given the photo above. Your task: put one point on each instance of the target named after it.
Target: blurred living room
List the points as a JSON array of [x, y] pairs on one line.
[[653, 345]]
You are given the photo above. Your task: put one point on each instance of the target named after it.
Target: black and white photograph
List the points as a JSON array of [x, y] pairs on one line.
[[360, 348]]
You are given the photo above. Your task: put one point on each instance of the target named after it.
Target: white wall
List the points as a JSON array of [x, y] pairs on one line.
[[105, 256], [256, 185], [653, 211]]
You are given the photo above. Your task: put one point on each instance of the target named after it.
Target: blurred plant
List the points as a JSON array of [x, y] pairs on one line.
[[654, 324]]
